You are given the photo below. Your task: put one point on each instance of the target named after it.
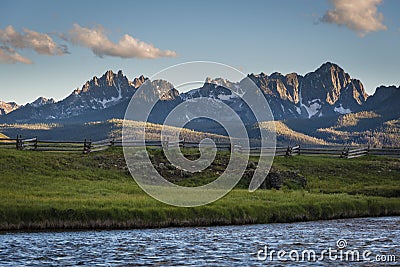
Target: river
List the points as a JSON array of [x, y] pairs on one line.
[[323, 243]]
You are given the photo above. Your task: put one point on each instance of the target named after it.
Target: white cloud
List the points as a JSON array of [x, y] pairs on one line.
[[10, 56], [95, 39], [127, 47], [40, 42], [361, 16]]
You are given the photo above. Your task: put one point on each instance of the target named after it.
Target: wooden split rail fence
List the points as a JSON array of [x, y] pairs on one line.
[[46, 145], [342, 152], [87, 146]]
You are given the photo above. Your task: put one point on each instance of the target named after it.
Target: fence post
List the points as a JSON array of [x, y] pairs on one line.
[[345, 152], [165, 143], [298, 150], [84, 146], [35, 143], [183, 143], [17, 142], [89, 146], [238, 148], [288, 152]]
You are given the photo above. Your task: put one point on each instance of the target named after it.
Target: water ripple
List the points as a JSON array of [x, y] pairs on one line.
[[199, 246]]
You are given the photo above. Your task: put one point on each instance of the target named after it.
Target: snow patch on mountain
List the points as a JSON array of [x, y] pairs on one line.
[[313, 108], [105, 102], [341, 110], [226, 97]]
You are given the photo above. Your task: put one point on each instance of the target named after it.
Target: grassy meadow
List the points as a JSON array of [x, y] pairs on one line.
[[44, 190]]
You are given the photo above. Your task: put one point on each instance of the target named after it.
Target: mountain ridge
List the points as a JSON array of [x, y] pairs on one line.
[[328, 92]]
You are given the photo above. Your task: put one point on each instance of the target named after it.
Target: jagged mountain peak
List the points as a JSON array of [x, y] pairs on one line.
[[253, 76], [110, 76], [329, 67], [10, 103], [152, 91], [327, 84], [42, 101], [220, 82], [7, 107], [165, 90], [276, 75], [97, 94], [137, 82], [108, 80], [327, 91], [332, 73]]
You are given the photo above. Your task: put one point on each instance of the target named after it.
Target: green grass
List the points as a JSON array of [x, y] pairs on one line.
[[370, 175], [40, 190]]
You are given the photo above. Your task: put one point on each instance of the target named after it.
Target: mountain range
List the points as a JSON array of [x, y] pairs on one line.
[[306, 103]]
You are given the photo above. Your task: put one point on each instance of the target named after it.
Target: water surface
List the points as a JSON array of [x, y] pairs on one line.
[[199, 246]]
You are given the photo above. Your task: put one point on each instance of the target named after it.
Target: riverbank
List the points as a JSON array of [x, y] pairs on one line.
[[95, 191]]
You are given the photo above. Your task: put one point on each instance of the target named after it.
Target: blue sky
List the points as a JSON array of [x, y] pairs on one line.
[[253, 36]]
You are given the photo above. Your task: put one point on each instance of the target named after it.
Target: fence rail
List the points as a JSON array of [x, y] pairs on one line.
[[87, 146]]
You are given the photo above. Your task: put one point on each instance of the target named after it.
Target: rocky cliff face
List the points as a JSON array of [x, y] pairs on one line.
[[328, 91]]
